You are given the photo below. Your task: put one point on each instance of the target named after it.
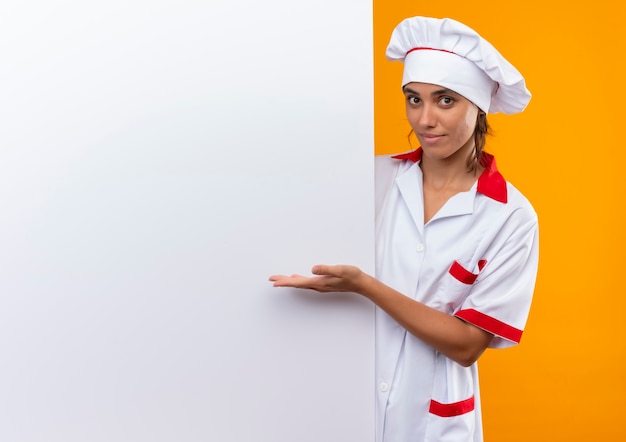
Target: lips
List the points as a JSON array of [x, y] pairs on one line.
[[430, 138]]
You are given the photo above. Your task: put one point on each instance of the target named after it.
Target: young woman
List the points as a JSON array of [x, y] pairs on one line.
[[456, 246]]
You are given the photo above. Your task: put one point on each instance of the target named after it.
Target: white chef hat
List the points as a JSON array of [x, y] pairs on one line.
[[450, 54]]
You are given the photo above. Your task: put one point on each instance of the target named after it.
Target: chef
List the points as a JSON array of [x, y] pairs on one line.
[[456, 244]]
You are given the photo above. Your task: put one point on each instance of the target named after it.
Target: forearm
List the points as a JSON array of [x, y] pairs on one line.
[[456, 339]]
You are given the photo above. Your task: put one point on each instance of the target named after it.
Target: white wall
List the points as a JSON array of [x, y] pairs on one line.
[[158, 161]]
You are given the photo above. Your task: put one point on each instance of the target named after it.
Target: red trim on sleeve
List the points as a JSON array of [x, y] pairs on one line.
[[492, 325], [453, 409], [462, 274]]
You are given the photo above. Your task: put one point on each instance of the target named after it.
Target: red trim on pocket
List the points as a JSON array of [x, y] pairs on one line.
[[462, 274], [481, 264], [453, 409], [492, 325]]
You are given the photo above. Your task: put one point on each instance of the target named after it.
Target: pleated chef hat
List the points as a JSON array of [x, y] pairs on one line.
[[449, 54]]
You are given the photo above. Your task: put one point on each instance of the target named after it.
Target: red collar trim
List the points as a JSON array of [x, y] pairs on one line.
[[490, 183]]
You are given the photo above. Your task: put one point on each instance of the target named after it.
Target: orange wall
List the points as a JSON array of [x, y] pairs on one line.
[[567, 379]]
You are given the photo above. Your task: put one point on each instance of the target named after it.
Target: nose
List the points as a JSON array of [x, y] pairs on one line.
[[427, 116]]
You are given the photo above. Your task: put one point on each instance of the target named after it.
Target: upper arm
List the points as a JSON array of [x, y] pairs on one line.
[[477, 341]]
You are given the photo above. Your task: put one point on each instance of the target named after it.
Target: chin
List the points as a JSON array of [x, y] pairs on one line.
[[438, 153]]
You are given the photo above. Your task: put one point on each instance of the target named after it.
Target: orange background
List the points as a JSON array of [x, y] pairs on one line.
[[567, 379]]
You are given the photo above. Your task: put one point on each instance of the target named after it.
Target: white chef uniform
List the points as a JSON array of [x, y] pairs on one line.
[[475, 259]]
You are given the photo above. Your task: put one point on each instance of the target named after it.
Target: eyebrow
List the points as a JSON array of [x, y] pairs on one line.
[[432, 94]]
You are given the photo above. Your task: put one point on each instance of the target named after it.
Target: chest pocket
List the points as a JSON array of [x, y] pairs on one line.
[[458, 283], [463, 275]]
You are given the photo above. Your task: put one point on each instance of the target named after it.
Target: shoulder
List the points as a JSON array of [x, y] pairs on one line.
[[391, 164], [385, 161], [511, 218], [520, 204], [511, 202], [386, 170], [513, 222]]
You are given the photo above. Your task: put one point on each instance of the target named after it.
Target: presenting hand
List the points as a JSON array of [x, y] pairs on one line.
[[338, 278]]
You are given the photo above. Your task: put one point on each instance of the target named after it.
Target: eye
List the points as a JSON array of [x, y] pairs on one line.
[[446, 101], [412, 100]]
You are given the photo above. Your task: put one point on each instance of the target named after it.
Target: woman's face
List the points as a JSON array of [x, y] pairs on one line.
[[442, 120]]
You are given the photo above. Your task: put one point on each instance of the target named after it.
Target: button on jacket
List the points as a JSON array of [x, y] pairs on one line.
[[475, 259]]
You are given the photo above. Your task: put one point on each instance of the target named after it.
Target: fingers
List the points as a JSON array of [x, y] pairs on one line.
[[316, 270], [278, 277], [327, 279], [338, 271], [326, 270], [297, 281], [278, 280]]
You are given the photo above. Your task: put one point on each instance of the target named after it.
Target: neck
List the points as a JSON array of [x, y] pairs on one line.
[[450, 172]]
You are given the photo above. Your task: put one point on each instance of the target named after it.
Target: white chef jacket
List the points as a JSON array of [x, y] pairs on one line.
[[475, 259]]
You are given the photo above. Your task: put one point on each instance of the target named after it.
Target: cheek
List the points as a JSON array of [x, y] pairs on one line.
[[408, 111], [467, 125], [411, 116]]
